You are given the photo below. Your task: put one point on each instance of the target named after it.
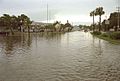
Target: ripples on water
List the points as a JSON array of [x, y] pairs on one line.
[[74, 56]]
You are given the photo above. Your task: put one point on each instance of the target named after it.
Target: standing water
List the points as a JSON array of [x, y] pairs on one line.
[[74, 56]]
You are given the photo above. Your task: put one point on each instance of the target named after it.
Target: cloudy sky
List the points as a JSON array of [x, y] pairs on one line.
[[76, 11]]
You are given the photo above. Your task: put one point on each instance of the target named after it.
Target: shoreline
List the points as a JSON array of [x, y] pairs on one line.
[[113, 41]]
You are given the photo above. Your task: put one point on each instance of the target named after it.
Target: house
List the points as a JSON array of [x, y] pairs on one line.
[[38, 26]]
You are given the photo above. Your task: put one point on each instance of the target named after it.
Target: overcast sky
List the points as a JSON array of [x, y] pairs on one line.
[[76, 11]]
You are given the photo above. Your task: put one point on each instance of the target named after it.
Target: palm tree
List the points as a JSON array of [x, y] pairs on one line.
[[7, 21], [24, 21], [114, 20], [99, 11], [28, 23], [14, 22], [2, 23], [93, 15]]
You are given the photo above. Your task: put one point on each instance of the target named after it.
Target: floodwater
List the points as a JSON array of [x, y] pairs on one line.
[[73, 56]]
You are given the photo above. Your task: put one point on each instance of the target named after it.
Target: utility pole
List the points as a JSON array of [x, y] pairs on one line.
[[118, 10], [47, 13]]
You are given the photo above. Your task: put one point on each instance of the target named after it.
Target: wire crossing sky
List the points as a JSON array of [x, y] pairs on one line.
[[76, 11]]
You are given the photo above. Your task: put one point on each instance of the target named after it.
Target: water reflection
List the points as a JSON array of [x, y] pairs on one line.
[[73, 56], [11, 43]]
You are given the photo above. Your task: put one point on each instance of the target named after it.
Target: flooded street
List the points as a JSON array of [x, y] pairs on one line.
[[73, 56]]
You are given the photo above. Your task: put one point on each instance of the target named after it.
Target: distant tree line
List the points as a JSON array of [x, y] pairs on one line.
[[8, 22], [84, 27]]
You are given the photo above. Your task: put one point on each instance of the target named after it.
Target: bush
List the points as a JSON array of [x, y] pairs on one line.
[[96, 33], [105, 35], [115, 35]]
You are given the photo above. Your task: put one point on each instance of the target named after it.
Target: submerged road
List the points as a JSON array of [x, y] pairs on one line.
[[74, 56]]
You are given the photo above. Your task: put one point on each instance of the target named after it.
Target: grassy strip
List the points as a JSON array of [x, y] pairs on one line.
[[113, 41]]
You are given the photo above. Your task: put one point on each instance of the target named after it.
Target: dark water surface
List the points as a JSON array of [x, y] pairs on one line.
[[74, 56]]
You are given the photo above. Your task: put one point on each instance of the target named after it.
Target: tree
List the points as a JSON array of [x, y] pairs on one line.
[[93, 15], [7, 22], [24, 22], [99, 11], [114, 20], [13, 22], [6, 19]]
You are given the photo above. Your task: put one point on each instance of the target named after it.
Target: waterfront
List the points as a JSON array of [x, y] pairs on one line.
[[73, 56]]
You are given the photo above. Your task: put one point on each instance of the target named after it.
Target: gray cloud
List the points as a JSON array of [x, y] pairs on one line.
[[36, 9]]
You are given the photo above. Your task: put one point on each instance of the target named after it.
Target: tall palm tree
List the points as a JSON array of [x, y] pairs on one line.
[[99, 12], [93, 15]]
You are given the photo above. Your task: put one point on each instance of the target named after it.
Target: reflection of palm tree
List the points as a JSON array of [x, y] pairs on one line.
[[29, 40], [100, 48], [9, 45]]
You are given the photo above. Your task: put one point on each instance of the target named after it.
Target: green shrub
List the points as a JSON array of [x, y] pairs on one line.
[[105, 35], [96, 33], [115, 35]]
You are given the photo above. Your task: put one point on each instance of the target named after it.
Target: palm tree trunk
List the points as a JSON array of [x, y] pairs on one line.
[[11, 30], [28, 29], [100, 23], [93, 23]]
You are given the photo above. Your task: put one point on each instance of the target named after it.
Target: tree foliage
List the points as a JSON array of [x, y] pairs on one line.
[[99, 12], [14, 22]]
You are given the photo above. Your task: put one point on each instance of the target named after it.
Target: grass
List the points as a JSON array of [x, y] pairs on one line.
[[107, 37]]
